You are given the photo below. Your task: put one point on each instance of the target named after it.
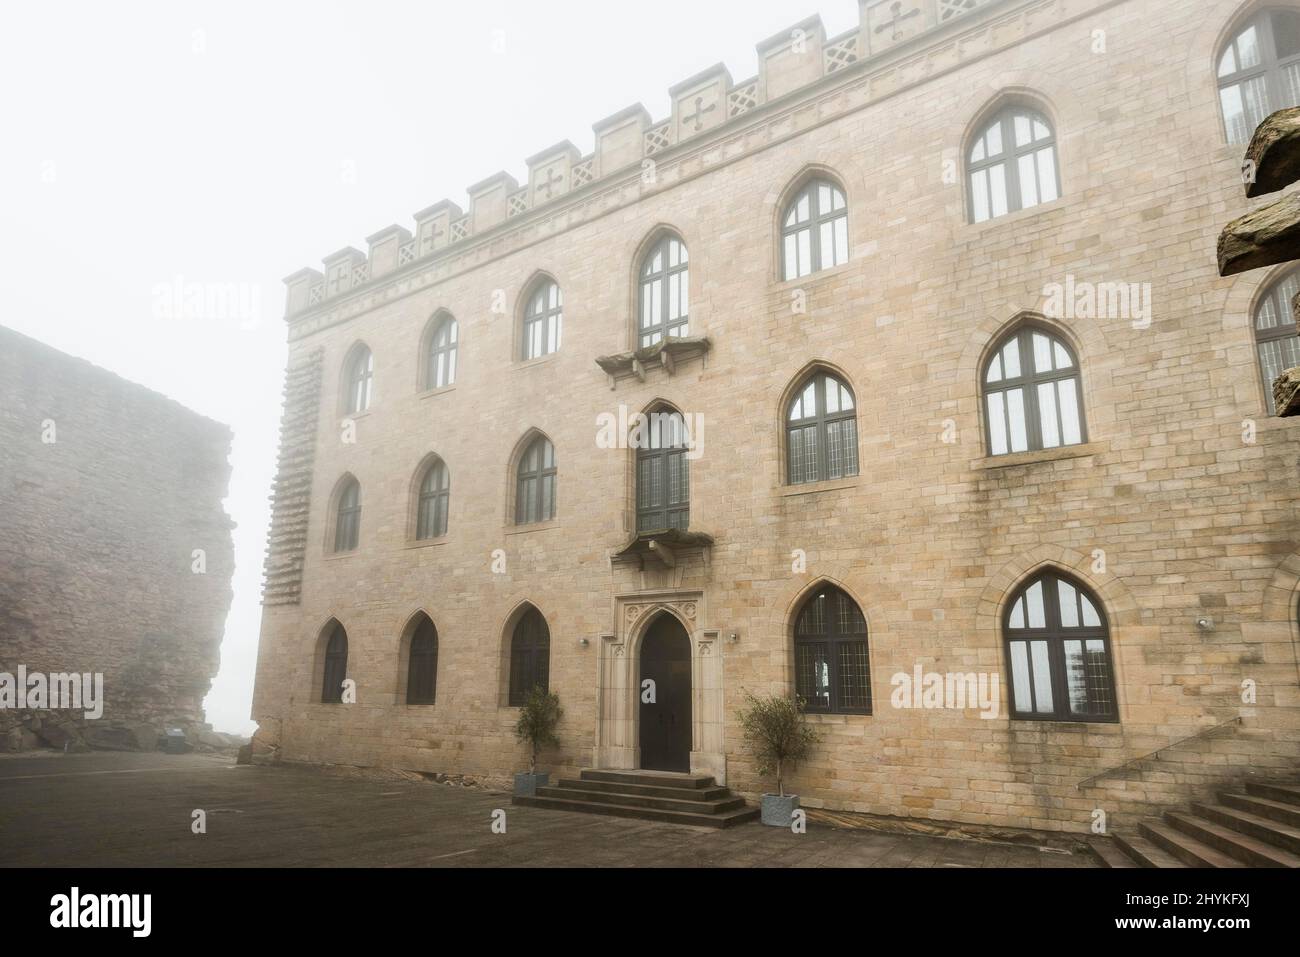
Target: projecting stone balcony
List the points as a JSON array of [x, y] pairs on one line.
[[668, 355], [665, 549]]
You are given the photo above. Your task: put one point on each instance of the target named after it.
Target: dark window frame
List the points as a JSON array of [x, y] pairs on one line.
[[530, 499], [831, 641], [1270, 66], [817, 217], [360, 376], [530, 657], [1284, 330], [662, 460], [1055, 634], [433, 504], [347, 522], [422, 664], [663, 325], [538, 312], [1010, 158], [335, 665], [1029, 382], [444, 341], [821, 424]]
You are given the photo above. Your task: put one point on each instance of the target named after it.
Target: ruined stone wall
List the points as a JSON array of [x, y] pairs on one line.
[[108, 490]]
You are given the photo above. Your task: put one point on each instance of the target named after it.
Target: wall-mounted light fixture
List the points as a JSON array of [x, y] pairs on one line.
[[583, 642], [1205, 624], [733, 638]]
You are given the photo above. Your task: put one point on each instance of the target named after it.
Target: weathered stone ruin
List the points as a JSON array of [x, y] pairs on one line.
[[117, 554]]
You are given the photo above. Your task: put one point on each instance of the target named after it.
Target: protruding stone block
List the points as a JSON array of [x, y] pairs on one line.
[[700, 103], [487, 201], [433, 226], [298, 289], [887, 23], [1273, 157], [340, 270], [620, 139], [1265, 237], [791, 59], [550, 172], [384, 246]]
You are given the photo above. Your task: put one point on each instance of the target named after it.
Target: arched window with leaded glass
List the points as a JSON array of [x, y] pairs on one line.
[[821, 431], [665, 302], [814, 230], [434, 502], [440, 353], [530, 657], [1259, 72], [535, 483], [422, 664], [1276, 341], [1033, 394], [543, 329], [832, 667], [1012, 165], [663, 486], [359, 378], [1058, 653], [335, 670], [347, 516]]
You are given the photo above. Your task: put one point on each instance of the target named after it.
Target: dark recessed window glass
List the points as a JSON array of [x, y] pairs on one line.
[[832, 672], [530, 657]]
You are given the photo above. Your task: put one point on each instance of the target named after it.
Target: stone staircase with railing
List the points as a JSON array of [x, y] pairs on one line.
[[1257, 828], [692, 799]]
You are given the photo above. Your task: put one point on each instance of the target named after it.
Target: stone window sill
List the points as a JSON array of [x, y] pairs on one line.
[[994, 462], [1009, 219], [434, 393], [816, 278], [818, 488], [521, 364], [840, 719], [535, 527], [431, 543]]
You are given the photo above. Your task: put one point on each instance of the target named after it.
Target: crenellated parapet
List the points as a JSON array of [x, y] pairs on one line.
[[789, 63]]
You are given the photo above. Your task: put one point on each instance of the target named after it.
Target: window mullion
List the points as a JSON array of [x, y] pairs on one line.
[[1015, 199]]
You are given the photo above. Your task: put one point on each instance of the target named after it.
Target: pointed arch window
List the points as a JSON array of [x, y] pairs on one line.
[[663, 488], [360, 376], [814, 230], [665, 292], [821, 432], [543, 321], [1259, 72], [440, 355], [832, 667], [422, 664], [1058, 653], [347, 525], [1033, 394], [530, 657], [1013, 164], [1276, 339], [535, 488], [435, 502], [336, 666]]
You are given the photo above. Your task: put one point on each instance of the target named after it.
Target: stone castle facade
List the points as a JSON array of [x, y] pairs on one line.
[[962, 395]]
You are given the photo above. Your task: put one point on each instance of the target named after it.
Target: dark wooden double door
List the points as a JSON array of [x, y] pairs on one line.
[[666, 716]]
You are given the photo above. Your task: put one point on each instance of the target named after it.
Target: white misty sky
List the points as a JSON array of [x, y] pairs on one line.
[[148, 142]]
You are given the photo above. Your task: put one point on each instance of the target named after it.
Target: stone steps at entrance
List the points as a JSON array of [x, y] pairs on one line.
[[1255, 829], [689, 799]]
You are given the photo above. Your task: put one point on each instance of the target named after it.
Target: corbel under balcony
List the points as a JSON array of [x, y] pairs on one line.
[[668, 354], [664, 549]]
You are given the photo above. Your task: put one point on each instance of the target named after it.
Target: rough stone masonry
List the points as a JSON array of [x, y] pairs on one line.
[[117, 554]]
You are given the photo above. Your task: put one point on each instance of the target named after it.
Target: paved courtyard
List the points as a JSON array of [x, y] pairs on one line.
[[136, 810]]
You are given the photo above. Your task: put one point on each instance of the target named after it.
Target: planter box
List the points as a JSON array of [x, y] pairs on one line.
[[778, 811], [526, 785]]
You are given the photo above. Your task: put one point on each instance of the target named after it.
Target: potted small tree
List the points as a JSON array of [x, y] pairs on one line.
[[538, 718], [779, 736]]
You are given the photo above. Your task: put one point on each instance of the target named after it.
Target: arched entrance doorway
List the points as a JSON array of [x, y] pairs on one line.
[[665, 715]]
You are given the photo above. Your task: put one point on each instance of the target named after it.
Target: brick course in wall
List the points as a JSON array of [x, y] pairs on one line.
[[934, 536]]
